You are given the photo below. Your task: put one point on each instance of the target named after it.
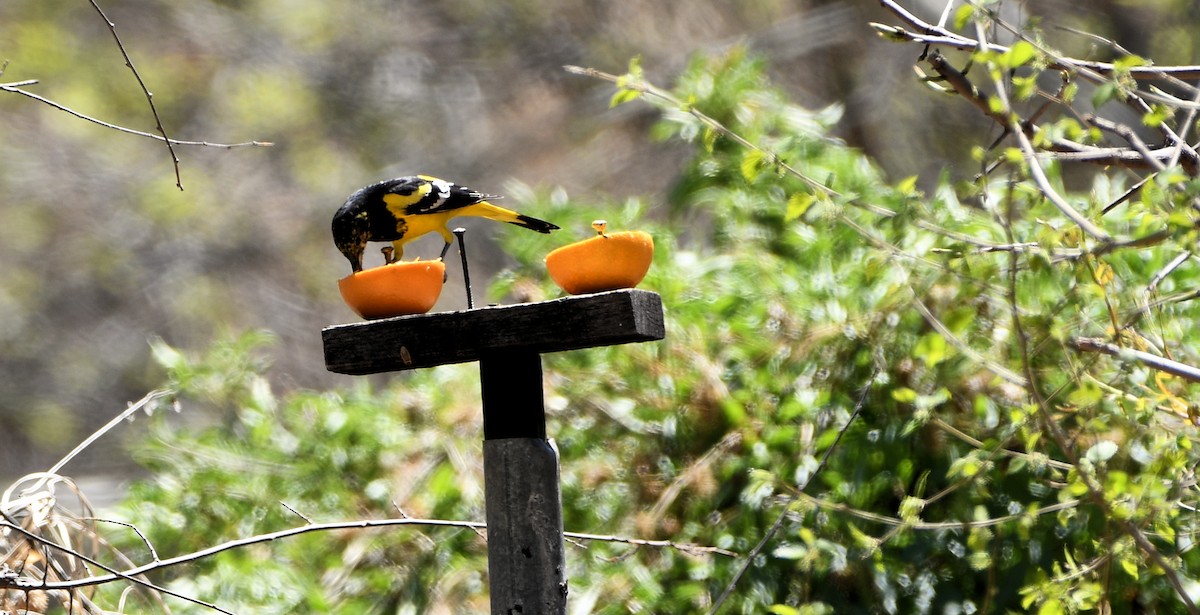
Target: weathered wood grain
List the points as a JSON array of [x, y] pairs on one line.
[[426, 340], [526, 564]]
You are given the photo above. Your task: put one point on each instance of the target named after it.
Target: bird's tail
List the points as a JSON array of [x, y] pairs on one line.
[[500, 214]]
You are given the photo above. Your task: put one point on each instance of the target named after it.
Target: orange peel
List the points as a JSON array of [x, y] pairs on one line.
[[395, 289], [603, 262]]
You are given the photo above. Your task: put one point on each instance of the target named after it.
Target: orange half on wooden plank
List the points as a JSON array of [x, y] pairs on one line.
[[395, 289], [603, 262]]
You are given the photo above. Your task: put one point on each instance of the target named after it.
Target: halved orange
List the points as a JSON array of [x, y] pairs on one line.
[[395, 289], [603, 262]]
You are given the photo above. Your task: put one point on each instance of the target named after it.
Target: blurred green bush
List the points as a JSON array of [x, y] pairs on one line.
[[784, 306]]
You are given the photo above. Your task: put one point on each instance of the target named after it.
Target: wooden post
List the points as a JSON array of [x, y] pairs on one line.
[[526, 564]]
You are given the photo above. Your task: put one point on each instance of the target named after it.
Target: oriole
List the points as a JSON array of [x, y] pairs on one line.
[[402, 209]]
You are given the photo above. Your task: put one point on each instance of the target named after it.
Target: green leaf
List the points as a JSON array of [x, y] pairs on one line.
[[1051, 607], [783, 609], [1024, 87], [165, 355], [623, 96], [752, 161], [995, 105], [963, 15], [1130, 567], [1069, 92], [1130, 61], [798, 205], [635, 67], [1018, 55], [904, 395], [792, 552], [1086, 394], [931, 349], [1103, 94], [1164, 530], [911, 508], [709, 138], [1158, 114]]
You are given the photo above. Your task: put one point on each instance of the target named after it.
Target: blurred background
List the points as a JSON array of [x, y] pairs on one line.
[[100, 252]]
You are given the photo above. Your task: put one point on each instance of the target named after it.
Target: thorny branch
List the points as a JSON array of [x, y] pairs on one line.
[[938, 37]]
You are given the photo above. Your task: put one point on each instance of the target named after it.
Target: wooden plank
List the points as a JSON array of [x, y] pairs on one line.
[[426, 340]]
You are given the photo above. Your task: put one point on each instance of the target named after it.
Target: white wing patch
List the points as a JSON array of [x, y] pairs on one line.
[[442, 187]]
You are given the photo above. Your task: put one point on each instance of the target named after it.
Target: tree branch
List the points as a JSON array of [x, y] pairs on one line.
[[28, 584], [112, 27], [1153, 361], [945, 38], [161, 564], [16, 89]]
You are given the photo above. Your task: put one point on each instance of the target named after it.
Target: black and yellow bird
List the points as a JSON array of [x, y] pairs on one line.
[[402, 209]]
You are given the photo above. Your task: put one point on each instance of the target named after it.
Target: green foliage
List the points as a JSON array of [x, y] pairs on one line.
[[328, 456], [953, 490]]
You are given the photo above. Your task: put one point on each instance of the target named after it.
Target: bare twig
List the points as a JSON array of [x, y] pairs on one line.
[[686, 548], [145, 540], [162, 564], [1131, 137], [1167, 270], [146, 400], [688, 476], [296, 512], [1101, 69], [1062, 149], [27, 584], [1013, 124], [771, 158], [112, 27], [1162, 364], [950, 429], [15, 89], [1043, 182], [934, 526], [1097, 38]]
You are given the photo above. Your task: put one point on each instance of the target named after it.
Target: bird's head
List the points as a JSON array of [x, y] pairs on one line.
[[351, 228]]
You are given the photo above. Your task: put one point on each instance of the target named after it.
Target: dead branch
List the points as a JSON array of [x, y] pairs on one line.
[[161, 564], [15, 88], [112, 27]]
